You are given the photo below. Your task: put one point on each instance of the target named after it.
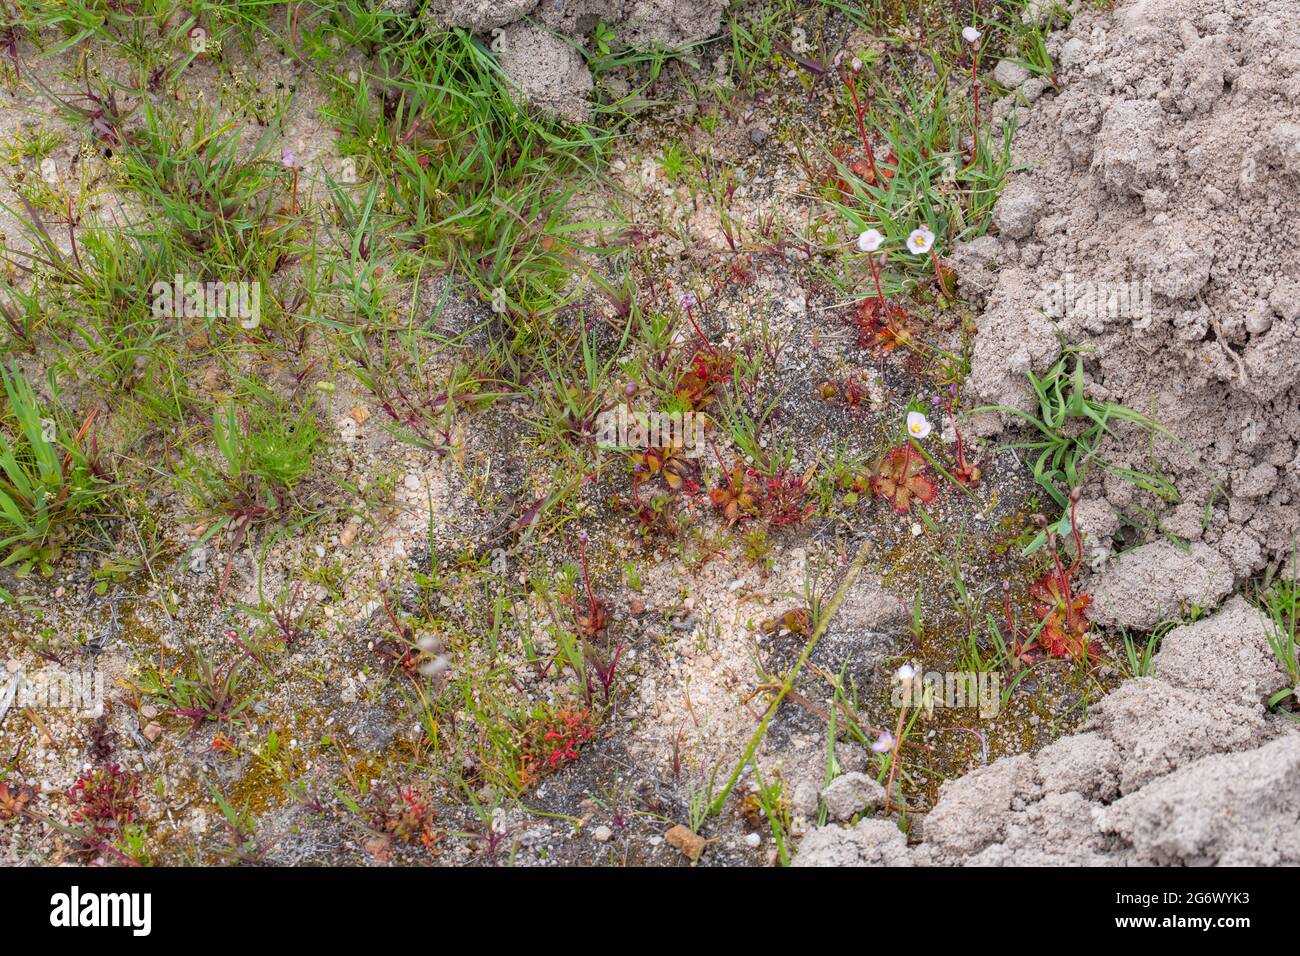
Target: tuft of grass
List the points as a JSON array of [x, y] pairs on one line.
[[1282, 604], [472, 181], [47, 481], [264, 451], [1137, 657], [1070, 428], [198, 690]]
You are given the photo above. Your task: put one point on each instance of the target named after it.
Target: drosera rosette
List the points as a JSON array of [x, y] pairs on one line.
[[667, 462], [853, 392], [900, 476], [738, 495], [1061, 609]]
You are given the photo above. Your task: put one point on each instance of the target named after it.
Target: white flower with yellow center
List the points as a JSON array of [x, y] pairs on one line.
[[918, 426], [870, 240], [920, 241]]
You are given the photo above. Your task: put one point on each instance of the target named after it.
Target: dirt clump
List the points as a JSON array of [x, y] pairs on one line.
[[1153, 227], [1184, 768]]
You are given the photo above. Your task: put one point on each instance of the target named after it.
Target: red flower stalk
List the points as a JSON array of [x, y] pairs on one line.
[[965, 472], [859, 110], [586, 576], [690, 315]]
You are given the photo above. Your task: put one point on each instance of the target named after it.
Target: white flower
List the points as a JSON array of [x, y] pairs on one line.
[[920, 241], [435, 666], [884, 743], [906, 673], [918, 426], [870, 240], [970, 35], [857, 65]]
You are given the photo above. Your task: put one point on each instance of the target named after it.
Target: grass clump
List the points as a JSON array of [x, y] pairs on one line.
[[264, 451], [47, 481], [473, 182], [1070, 428], [1281, 602]]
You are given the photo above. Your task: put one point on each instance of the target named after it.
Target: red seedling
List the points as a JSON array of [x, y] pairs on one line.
[[551, 742], [102, 740], [104, 799], [707, 370], [784, 499], [288, 618], [410, 818], [603, 666], [657, 516]]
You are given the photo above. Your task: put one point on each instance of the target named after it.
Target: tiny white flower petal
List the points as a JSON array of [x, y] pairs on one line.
[[920, 240], [883, 743], [906, 673], [918, 426], [870, 240], [970, 35], [435, 666], [857, 65]]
